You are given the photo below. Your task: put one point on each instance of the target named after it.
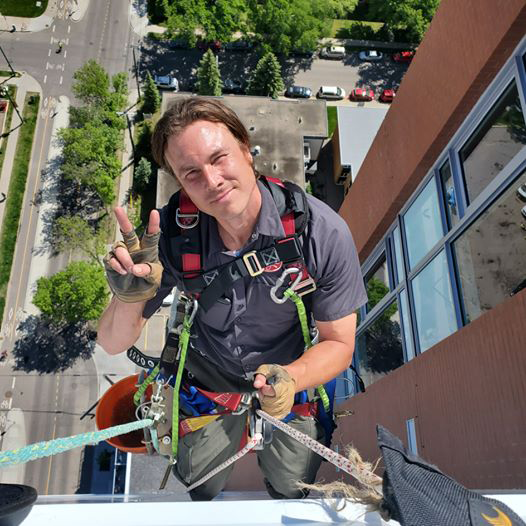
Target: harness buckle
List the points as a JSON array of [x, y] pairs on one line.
[[252, 263], [182, 219], [304, 287]]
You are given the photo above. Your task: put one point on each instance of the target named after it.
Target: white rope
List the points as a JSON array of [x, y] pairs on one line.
[[242, 452]]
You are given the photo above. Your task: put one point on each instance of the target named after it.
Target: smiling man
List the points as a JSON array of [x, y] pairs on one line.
[[242, 339]]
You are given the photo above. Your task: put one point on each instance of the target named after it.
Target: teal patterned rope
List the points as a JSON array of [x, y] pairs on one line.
[[59, 445]]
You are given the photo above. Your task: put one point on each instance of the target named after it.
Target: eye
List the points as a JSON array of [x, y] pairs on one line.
[[220, 158]]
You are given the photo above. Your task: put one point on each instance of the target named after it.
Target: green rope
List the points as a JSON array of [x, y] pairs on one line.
[[59, 445], [142, 388], [302, 314], [184, 338]]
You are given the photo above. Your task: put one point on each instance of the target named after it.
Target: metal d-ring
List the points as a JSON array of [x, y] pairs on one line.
[[281, 280]]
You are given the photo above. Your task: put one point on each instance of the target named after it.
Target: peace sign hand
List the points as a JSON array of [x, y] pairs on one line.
[[132, 267]]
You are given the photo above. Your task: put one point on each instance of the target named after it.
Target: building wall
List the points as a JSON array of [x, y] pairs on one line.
[[466, 395], [465, 46]]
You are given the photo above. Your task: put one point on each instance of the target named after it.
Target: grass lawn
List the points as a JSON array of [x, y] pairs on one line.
[[24, 8], [15, 193], [332, 118], [7, 125], [337, 25]]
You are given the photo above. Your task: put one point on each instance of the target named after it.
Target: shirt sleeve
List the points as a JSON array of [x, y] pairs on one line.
[[333, 264]]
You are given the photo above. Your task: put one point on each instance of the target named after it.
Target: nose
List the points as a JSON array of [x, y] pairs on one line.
[[213, 177]]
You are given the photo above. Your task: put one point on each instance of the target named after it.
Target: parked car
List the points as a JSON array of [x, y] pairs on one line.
[[330, 93], [336, 52], [233, 86], [404, 56], [239, 45], [521, 192], [371, 55], [387, 95], [361, 94], [298, 92], [523, 211], [166, 82], [214, 45]]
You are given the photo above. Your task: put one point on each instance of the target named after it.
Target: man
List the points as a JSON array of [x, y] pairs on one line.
[[202, 143]]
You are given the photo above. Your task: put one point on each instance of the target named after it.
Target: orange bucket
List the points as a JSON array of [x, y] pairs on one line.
[[116, 407]]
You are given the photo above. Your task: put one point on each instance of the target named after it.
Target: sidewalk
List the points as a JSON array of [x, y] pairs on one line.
[[24, 84], [66, 9]]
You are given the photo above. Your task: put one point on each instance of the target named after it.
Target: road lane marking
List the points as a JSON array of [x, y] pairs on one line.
[[51, 40], [67, 41], [60, 82], [65, 55], [30, 214], [45, 79], [54, 28], [49, 53], [69, 29], [52, 438], [47, 65], [13, 383]]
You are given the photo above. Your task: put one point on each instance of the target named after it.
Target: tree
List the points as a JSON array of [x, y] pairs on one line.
[[266, 79], [151, 98], [117, 100], [92, 83], [47, 347], [76, 294], [75, 233], [411, 16], [208, 77], [287, 25], [142, 174]]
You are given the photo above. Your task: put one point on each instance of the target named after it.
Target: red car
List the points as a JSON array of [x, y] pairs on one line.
[[404, 56], [360, 94], [387, 95], [214, 45]]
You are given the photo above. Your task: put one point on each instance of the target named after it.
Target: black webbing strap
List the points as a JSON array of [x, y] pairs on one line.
[[213, 284]]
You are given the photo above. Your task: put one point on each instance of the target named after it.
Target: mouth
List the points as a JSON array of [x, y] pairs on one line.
[[221, 197]]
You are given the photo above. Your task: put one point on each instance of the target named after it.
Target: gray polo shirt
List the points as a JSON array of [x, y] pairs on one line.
[[245, 328]]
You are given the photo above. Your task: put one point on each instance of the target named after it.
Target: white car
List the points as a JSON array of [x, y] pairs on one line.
[[166, 82], [330, 93], [336, 52], [371, 55], [523, 212], [521, 192]]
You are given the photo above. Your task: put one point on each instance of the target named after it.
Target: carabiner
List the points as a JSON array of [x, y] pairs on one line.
[[191, 305], [281, 280]]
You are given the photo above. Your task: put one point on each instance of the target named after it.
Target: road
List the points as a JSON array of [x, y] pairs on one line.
[[52, 404]]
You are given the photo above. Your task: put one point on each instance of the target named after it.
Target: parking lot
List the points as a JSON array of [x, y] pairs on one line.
[[161, 58]]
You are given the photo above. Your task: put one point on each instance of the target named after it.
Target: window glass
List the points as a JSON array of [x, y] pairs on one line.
[[434, 308], [377, 283], [399, 259], [491, 253], [379, 348], [450, 197], [406, 324], [423, 225], [494, 143]]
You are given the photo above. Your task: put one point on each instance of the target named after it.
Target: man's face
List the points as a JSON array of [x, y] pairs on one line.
[[213, 168]]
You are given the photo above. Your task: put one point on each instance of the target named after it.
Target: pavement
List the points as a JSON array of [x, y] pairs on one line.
[[73, 10]]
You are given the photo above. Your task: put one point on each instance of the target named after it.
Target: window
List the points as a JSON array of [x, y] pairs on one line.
[[423, 224], [398, 256], [450, 198], [434, 308], [494, 143], [411, 436], [377, 283], [379, 347], [406, 323], [491, 253]]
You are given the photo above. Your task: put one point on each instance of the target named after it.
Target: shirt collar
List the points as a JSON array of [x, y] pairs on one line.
[[268, 223]]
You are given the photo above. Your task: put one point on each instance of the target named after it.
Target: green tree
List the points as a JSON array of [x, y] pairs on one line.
[[117, 100], [151, 97], [341, 8], [92, 83], [266, 79], [142, 174], [76, 294], [208, 77], [216, 19], [75, 233], [287, 25], [411, 16]]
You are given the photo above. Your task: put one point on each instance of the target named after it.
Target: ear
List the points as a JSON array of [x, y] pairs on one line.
[[248, 155]]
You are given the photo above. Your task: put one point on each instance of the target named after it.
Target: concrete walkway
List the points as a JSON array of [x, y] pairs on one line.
[[63, 9], [24, 84]]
